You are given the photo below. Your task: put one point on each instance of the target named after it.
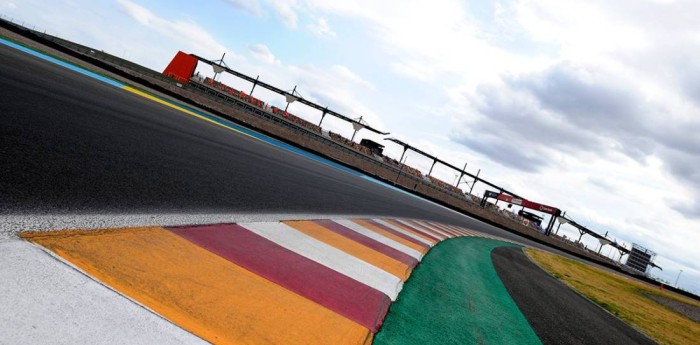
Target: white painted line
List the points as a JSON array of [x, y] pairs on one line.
[[328, 256], [45, 301], [379, 238]]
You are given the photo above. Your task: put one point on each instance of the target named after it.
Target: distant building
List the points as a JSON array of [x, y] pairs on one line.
[[640, 258], [373, 146], [531, 217]]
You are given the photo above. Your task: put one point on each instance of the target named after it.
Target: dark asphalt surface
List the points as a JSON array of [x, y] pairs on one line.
[[72, 145], [557, 313]]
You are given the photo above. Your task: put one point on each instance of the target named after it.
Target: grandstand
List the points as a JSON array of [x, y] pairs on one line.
[[186, 62], [228, 91], [404, 175]]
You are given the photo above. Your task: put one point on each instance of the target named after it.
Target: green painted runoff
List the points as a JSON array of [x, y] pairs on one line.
[[455, 297]]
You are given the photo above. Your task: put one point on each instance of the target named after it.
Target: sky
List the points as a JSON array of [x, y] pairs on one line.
[[592, 107]]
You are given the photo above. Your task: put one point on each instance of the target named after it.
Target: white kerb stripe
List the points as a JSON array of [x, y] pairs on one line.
[[443, 227], [436, 228], [458, 228], [431, 231], [471, 233], [412, 235], [379, 238], [446, 228], [439, 231], [328, 256], [397, 228], [459, 231], [46, 301]]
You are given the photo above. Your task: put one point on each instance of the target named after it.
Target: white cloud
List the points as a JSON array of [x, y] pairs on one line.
[[250, 6], [285, 10], [193, 37], [560, 91], [321, 28], [262, 53], [346, 74], [428, 40]]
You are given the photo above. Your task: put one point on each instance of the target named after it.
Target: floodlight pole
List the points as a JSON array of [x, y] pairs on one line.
[[357, 128], [559, 226], [473, 183], [404, 152], [622, 253], [220, 65], [325, 111], [461, 175], [678, 277], [288, 103], [254, 84], [432, 166], [401, 168]]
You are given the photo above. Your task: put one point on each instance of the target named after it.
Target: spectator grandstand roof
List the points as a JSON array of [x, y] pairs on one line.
[[417, 150], [299, 99], [617, 246]]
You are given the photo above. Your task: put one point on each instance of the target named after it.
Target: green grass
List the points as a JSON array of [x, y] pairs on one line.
[[624, 298]]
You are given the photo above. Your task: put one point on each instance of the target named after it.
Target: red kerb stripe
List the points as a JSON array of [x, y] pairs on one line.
[[398, 233], [296, 273], [369, 242]]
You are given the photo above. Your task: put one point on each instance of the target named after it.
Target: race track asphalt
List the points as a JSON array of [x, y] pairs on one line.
[[557, 313], [70, 144]]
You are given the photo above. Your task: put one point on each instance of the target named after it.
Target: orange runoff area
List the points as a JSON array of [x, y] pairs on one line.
[[366, 254], [198, 290]]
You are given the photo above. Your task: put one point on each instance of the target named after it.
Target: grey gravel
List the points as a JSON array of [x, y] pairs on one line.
[[690, 311]]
